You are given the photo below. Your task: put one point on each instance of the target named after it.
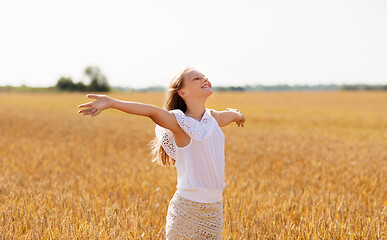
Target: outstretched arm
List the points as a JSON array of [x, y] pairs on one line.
[[158, 115], [228, 116]]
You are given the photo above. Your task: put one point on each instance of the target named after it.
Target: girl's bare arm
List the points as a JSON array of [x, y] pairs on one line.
[[158, 115], [230, 115]]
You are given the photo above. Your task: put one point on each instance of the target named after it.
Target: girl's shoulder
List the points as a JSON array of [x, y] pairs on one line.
[[215, 114], [198, 130], [180, 115]]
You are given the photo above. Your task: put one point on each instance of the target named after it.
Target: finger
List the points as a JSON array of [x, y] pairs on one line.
[[96, 113], [85, 105], [88, 111], [85, 110], [92, 96]]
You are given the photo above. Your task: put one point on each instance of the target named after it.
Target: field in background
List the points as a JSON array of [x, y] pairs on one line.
[[306, 165]]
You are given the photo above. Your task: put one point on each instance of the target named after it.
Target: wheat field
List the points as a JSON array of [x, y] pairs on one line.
[[306, 165]]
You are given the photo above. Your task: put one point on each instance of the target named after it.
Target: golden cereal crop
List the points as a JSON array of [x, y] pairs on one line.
[[306, 165]]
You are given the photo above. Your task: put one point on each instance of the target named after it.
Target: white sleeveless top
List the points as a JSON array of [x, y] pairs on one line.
[[200, 164]]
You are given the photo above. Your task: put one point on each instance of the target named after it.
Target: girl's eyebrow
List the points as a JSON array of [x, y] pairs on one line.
[[199, 76]]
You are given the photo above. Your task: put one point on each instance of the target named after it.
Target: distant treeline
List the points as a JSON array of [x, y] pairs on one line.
[[279, 87], [99, 83], [285, 87], [364, 87]]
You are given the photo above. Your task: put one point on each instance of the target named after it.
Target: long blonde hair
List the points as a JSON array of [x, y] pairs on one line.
[[172, 101]]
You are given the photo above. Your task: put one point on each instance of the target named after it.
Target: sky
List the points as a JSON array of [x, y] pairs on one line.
[[145, 43]]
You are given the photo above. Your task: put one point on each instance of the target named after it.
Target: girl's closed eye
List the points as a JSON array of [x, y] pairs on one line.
[[197, 78]]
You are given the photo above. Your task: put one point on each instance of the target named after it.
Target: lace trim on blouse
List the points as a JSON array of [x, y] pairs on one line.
[[198, 131]]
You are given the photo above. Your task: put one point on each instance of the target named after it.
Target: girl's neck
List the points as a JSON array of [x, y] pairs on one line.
[[198, 115], [196, 107], [195, 112]]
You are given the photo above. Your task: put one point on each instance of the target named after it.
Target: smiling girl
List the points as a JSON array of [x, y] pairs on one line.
[[188, 136]]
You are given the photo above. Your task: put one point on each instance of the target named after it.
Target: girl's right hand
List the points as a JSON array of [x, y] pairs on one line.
[[242, 118], [103, 102]]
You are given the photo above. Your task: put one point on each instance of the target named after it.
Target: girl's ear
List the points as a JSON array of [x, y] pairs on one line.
[[181, 93]]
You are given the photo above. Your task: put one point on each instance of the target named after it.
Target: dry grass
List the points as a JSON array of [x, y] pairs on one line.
[[305, 166]]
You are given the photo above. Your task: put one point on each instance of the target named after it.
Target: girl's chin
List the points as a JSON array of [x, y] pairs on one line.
[[207, 88], [208, 91]]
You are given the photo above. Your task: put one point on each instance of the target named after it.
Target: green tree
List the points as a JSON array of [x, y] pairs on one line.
[[65, 84], [98, 81], [81, 87]]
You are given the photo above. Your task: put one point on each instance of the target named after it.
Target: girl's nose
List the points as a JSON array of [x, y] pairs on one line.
[[206, 81]]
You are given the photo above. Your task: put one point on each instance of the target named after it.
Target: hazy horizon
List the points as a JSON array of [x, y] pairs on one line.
[[143, 44]]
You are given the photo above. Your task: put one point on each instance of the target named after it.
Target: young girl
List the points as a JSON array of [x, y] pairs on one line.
[[188, 136]]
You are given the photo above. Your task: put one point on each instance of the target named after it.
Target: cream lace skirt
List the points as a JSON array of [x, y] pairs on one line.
[[187, 219]]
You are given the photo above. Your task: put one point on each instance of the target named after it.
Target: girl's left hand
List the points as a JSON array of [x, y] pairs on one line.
[[242, 118]]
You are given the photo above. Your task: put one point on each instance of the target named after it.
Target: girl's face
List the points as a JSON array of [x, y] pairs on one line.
[[196, 84]]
